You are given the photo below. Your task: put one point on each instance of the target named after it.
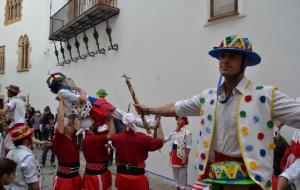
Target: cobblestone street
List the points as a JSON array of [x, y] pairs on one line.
[[48, 174]]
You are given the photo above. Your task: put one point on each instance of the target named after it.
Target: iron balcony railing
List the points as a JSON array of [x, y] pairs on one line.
[[73, 9]]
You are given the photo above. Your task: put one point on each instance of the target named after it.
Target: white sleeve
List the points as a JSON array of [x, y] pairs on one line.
[[292, 173], [189, 141], [188, 107], [168, 137], [69, 96], [286, 109], [12, 104], [29, 169]]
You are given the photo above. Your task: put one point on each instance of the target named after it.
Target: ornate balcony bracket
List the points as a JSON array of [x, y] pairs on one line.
[[62, 51], [109, 31], [96, 36], [86, 40], [57, 55], [69, 48], [77, 45]]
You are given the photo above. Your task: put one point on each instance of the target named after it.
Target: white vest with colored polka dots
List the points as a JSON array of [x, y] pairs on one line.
[[255, 131]]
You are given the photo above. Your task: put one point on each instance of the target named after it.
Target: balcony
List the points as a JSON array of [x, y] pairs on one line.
[[79, 15]]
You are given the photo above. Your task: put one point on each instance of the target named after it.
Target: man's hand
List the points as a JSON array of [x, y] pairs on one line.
[[82, 99], [58, 98], [47, 143], [141, 109]]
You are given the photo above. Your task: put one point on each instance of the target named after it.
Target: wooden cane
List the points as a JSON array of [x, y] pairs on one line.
[[136, 101]]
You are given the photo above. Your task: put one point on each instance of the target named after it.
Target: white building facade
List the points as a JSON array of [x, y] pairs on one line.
[[162, 45]]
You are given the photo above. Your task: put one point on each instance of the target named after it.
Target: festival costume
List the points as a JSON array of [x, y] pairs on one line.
[[96, 110], [67, 153], [290, 164], [16, 110], [131, 152], [27, 170], [16, 114], [252, 109], [95, 150], [182, 140]]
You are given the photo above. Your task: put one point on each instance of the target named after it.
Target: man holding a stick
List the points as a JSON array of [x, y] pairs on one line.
[[236, 118]]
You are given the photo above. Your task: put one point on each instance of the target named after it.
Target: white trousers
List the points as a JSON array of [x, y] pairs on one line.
[[180, 176]]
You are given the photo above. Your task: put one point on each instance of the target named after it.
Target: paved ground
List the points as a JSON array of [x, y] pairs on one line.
[[48, 173]]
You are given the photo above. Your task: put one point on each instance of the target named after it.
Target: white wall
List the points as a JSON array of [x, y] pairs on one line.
[[163, 46]]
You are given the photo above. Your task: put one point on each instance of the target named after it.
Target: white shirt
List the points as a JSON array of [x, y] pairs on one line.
[[72, 104], [27, 168], [16, 109], [292, 173], [285, 109]]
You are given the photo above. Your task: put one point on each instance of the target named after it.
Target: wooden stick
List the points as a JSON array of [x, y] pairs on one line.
[[136, 101]]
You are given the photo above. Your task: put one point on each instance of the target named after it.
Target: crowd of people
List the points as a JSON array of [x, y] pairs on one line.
[[238, 146]]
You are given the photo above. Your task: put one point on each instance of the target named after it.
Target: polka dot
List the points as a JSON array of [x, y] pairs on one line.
[[249, 148], [245, 131], [212, 102], [201, 167], [258, 178], [256, 119], [243, 114], [203, 156], [262, 99], [272, 146], [268, 184], [253, 165], [210, 91], [262, 153], [202, 122], [259, 87], [260, 136], [205, 144], [202, 100], [207, 130], [209, 117], [248, 98], [270, 124]]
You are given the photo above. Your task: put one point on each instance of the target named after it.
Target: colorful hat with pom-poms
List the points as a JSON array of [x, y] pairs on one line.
[[55, 77]]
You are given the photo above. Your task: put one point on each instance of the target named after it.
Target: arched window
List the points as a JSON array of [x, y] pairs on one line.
[[2, 59], [13, 10], [23, 53]]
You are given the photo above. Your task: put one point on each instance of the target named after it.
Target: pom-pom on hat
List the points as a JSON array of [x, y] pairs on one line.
[[55, 78], [236, 44], [101, 93]]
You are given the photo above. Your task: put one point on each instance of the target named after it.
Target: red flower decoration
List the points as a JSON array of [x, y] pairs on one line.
[[248, 98], [260, 136], [203, 156]]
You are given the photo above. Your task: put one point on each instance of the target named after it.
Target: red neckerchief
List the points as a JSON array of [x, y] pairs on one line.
[[179, 128]]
